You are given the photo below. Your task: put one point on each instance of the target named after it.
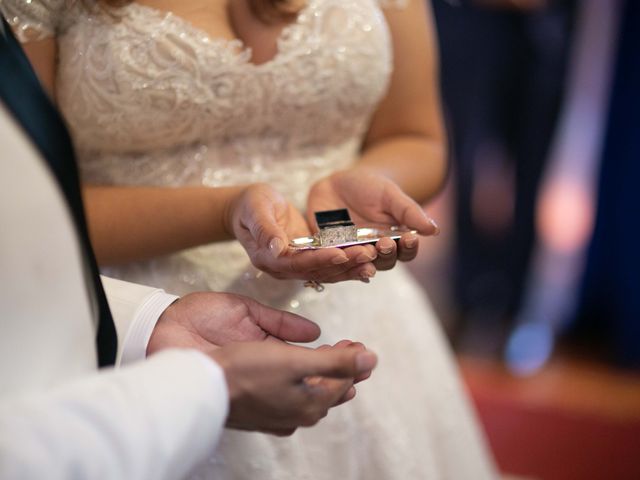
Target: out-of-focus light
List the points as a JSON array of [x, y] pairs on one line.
[[565, 215], [529, 347]]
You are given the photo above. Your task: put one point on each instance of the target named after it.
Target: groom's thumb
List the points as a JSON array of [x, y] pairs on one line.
[[337, 363]]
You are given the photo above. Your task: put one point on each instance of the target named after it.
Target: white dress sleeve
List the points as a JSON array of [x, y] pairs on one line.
[[156, 420], [34, 19]]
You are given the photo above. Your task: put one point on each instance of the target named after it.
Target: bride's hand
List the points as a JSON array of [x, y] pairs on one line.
[[373, 200], [264, 222]]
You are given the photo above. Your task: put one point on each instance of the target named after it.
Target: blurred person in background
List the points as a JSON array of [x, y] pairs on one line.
[[566, 207], [503, 70], [609, 308]]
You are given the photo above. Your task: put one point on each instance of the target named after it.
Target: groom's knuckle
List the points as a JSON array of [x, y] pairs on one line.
[[313, 415], [322, 413], [310, 421]]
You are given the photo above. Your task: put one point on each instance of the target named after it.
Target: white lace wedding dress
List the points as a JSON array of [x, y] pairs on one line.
[[152, 100]]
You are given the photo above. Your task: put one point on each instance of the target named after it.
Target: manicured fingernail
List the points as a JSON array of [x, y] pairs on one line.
[[365, 362], [365, 280], [411, 242], [435, 227], [386, 250], [275, 247], [339, 259], [365, 258]]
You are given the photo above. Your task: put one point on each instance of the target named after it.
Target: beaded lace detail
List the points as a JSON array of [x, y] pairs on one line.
[[151, 88]]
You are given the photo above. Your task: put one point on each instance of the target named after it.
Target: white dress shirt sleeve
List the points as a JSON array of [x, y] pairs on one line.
[[154, 420], [135, 310]]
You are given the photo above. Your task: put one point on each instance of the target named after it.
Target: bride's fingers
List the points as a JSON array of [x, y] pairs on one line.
[[262, 216], [295, 264], [408, 247], [359, 267], [387, 254], [362, 273], [324, 263], [407, 211]]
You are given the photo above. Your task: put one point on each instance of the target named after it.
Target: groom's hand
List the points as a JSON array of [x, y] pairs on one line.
[[209, 320], [274, 387], [264, 222]]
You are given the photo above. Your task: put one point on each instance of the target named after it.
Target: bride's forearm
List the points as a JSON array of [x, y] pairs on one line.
[[414, 162], [406, 140], [136, 223]]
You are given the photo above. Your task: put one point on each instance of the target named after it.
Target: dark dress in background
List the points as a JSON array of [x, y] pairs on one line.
[[502, 74], [610, 309]]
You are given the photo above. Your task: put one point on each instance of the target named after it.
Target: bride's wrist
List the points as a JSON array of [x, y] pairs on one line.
[[231, 203]]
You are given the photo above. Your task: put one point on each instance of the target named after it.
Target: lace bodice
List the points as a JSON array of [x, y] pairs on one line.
[[153, 100]]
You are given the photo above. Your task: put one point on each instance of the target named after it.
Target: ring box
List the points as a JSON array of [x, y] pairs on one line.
[[335, 229]]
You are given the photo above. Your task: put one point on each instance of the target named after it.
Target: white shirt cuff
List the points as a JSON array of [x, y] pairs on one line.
[[136, 310], [135, 343]]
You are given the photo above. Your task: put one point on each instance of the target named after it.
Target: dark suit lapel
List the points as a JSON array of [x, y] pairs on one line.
[[24, 97]]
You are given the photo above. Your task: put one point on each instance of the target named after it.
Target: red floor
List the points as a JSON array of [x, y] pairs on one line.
[[572, 421]]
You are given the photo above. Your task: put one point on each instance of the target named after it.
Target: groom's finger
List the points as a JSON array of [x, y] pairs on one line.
[[282, 432], [349, 395], [328, 392], [335, 363], [283, 325]]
